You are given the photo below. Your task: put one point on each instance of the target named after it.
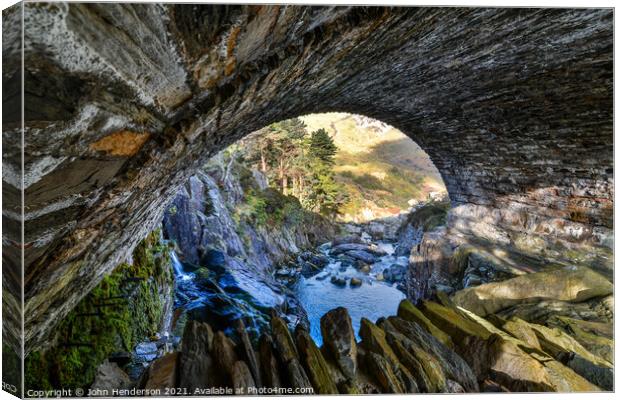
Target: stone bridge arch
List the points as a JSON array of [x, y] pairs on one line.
[[123, 102]]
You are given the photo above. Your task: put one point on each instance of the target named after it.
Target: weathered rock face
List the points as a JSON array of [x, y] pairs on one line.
[[124, 102], [435, 349]]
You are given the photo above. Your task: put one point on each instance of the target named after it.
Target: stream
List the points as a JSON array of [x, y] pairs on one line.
[[375, 298], [220, 299]]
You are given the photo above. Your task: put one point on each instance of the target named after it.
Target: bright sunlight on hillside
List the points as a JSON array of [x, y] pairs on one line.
[[383, 170]]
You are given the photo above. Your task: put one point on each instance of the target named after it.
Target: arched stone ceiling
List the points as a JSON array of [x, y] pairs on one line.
[[123, 102]]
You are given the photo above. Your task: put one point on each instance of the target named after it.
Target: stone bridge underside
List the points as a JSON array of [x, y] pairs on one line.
[[124, 102]]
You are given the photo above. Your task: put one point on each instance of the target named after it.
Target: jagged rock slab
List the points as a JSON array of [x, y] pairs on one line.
[[566, 284], [339, 340]]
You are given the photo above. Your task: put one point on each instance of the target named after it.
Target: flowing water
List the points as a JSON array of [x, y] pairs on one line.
[[223, 298], [372, 300]]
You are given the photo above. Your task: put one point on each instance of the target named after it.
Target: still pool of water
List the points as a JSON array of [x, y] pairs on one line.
[[372, 300]]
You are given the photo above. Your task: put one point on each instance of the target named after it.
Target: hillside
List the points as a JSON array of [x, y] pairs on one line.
[[381, 168]]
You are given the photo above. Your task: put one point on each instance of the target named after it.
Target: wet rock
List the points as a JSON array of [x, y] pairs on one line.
[[247, 352], [395, 273], [567, 284], [346, 239], [195, 361], [146, 352], [338, 281], [348, 247], [110, 376], [409, 312], [163, 372], [269, 364], [355, 282], [242, 377], [315, 364], [362, 255], [364, 268], [339, 340], [283, 342]]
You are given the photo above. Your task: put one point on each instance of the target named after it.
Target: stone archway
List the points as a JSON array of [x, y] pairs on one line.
[[123, 102]]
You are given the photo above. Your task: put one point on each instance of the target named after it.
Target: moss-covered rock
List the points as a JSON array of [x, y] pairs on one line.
[[285, 347], [409, 312], [315, 364], [128, 306]]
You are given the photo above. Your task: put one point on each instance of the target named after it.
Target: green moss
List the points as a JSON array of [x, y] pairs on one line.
[[270, 208], [124, 309], [430, 216]]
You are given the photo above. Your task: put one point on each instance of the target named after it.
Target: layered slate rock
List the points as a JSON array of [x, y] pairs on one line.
[[568, 284], [133, 98], [340, 341], [395, 355]]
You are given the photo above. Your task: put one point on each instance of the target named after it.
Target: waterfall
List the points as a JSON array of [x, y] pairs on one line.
[[178, 268]]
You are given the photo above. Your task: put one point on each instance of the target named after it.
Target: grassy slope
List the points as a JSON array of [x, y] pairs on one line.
[[382, 169]]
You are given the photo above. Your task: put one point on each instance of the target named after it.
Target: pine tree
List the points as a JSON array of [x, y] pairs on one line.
[[322, 146]]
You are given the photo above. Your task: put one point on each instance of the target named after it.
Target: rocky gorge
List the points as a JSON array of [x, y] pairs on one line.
[[253, 310], [197, 276]]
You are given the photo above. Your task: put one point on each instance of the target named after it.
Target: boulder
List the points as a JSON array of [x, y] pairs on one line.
[[362, 255], [338, 281], [339, 340], [195, 362], [270, 368], [395, 273], [346, 239], [315, 365], [570, 284], [110, 376], [355, 282], [346, 247], [163, 372], [284, 345], [409, 312]]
